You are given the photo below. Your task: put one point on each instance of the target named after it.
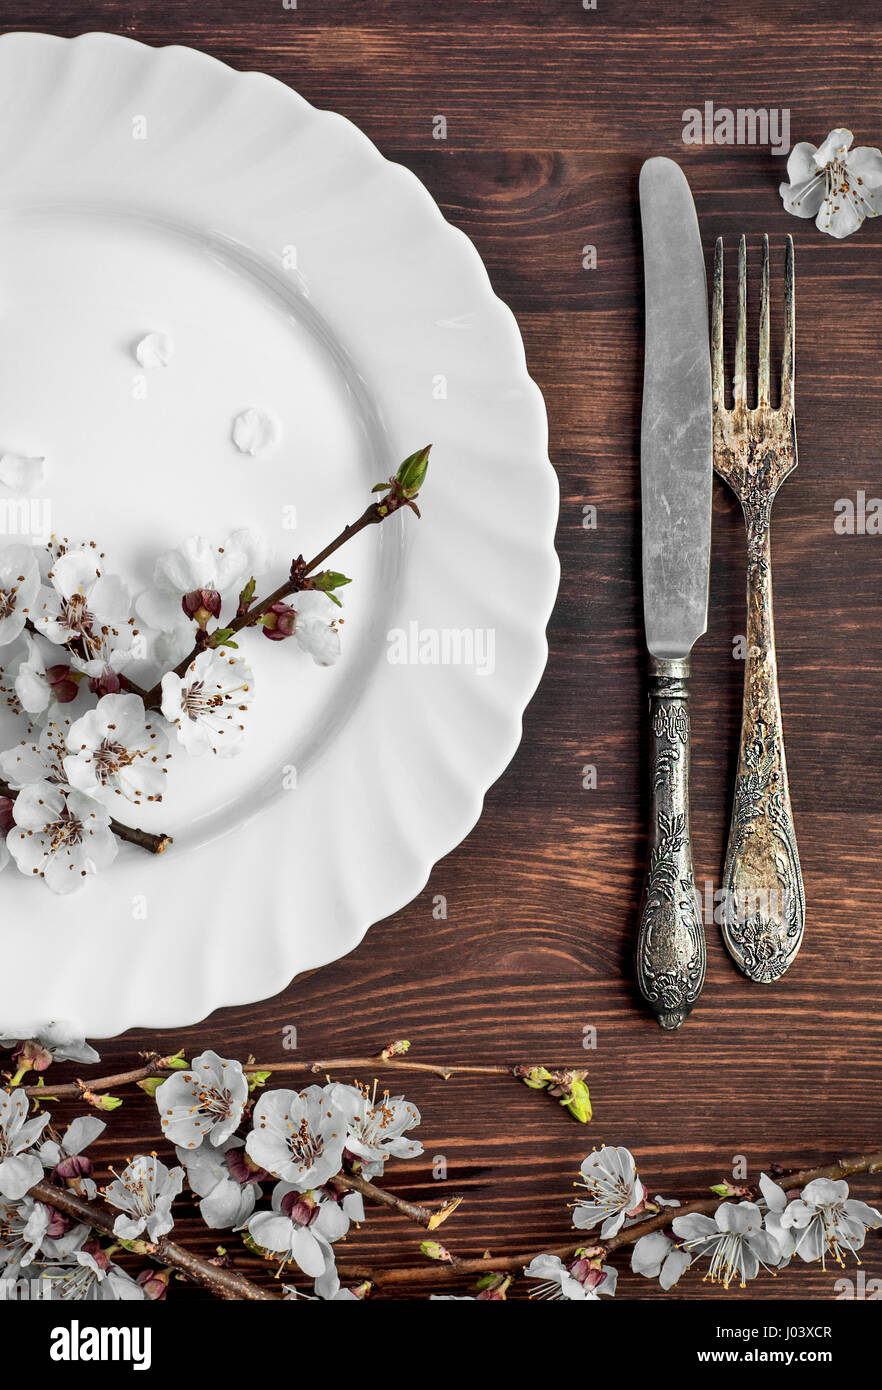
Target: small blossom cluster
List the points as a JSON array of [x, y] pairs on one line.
[[295, 1144], [288, 1171], [103, 693], [819, 1223]]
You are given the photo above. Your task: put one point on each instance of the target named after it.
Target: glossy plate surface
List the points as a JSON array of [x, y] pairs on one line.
[[299, 271]]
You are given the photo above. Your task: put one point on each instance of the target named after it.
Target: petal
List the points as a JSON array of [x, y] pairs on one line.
[[649, 1252], [835, 147], [838, 216], [775, 1196], [18, 1174], [82, 1132], [677, 1262], [804, 199], [801, 162]]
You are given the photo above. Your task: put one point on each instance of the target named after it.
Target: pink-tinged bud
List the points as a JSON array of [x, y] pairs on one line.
[[32, 1055], [301, 1207], [201, 605], [242, 1168], [73, 1167], [7, 820], [59, 1225], [279, 622], [154, 1282], [62, 683], [108, 683], [101, 1258]]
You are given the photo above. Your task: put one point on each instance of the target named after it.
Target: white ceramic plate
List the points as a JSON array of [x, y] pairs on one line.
[[298, 270]]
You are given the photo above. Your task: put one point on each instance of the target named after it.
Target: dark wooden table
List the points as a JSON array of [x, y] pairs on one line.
[[551, 108]]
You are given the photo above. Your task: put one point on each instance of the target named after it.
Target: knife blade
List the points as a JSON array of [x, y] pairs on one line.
[[676, 464]]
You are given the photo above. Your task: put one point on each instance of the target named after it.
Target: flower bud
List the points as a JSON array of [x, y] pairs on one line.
[[74, 1166], [102, 1259], [279, 622], [434, 1250], [32, 1056], [201, 605], [63, 684], [108, 683], [300, 1207], [412, 473], [59, 1224], [154, 1282], [242, 1168]]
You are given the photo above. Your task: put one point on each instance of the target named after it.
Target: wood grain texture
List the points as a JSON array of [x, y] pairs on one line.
[[551, 109]]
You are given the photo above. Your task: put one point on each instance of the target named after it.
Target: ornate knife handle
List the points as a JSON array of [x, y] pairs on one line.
[[670, 939], [764, 898]]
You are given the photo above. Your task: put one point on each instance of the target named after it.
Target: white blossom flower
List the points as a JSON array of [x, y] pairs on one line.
[[83, 605], [835, 184], [144, 1191], [116, 751], [204, 1102], [206, 704], [583, 1280], [35, 687], [298, 1136], [225, 1201], [24, 1225], [826, 1221], [197, 565], [376, 1127], [301, 1227], [60, 834], [37, 761], [733, 1239], [19, 1168], [314, 626], [109, 656], [656, 1256], [92, 1279], [65, 1156], [19, 587], [614, 1189]]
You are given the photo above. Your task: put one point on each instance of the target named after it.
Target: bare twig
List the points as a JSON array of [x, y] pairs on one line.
[[428, 1217], [154, 1070]]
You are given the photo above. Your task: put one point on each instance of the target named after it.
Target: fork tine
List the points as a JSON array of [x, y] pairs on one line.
[[739, 381], [789, 354], [763, 369], [717, 364]]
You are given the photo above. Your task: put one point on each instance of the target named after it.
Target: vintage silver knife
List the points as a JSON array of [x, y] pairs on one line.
[[676, 461]]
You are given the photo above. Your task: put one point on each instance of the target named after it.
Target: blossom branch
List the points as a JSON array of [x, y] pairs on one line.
[[453, 1268], [402, 492], [223, 1283], [145, 839]]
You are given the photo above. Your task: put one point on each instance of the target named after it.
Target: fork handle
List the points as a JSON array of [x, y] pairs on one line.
[[670, 960], [763, 898]]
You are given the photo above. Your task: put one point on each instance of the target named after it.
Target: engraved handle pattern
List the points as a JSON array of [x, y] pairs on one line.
[[764, 898], [670, 938]]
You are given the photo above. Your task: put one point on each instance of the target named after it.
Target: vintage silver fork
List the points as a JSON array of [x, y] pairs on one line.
[[754, 451]]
